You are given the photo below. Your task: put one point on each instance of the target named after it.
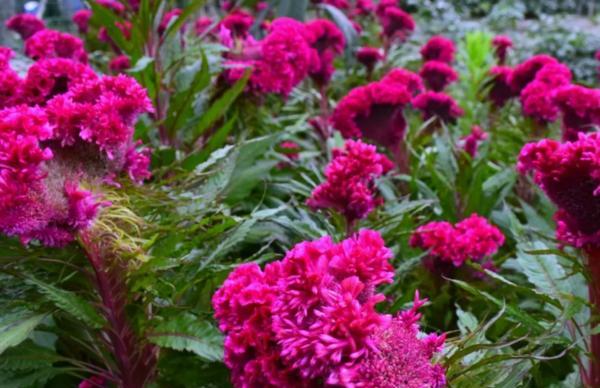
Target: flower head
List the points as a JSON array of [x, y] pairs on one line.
[[501, 91], [202, 24], [438, 75], [167, 19], [580, 108], [351, 175], [119, 64], [438, 48], [525, 72], [374, 111], [537, 97], [238, 22], [437, 104], [46, 44], [411, 81], [25, 25], [11, 85], [82, 19], [501, 45], [113, 5], [327, 41], [368, 57], [396, 23], [470, 143]]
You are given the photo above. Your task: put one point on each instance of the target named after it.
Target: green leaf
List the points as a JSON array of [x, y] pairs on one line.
[[141, 65], [16, 328], [190, 333], [70, 303], [107, 19], [216, 140]]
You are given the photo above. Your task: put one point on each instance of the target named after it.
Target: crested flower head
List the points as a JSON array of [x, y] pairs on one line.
[[537, 97], [474, 238], [501, 91], [438, 48], [25, 25], [437, 104], [374, 111], [368, 57], [396, 23], [113, 5], [238, 22], [119, 64], [167, 19], [525, 72], [363, 7], [327, 41], [81, 19], [404, 78], [580, 108], [470, 143], [569, 173], [11, 85], [47, 43], [202, 25], [437, 75], [501, 45], [350, 180]]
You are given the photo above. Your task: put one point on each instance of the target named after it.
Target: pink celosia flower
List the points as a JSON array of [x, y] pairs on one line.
[[438, 48], [537, 97], [411, 81], [11, 85], [50, 77], [119, 64], [113, 5], [383, 5], [569, 173], [25, 25], [291, 150], [82, 19], [471, 239], [238, 22], [437, 75], [93, 382], [580, 107], [501, 91], [202, 25], [327, 41], [167, 18], [349, 188], [525, 72], [279, 62], [396, 23], [501, 45], [363, 7], [470, 143], [368, 57], [374, 111], [5, 56], [436, 104], [137, 163], [46, 44], [125, 27]]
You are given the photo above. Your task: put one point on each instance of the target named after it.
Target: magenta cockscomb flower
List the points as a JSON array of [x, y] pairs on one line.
[[47, 44], [537, 97], [404, 78], [167, 18], [382, 5], [525, 72], [438, 48], [113, 5], [569, 173], [501, 45], [50, 77], [369, 57], [501, 90], [279, 62], [25, 25], [327, 41], [238, 22], [397, 24], [202, 25], [6, 55], [119, 64], [438, 75], [471, 142], [439, 105], [310, 320], [363, 7], [350, 181], [81, 19], [93, 382], [374, 111], [474, 238], [580, 108], [11, 85]]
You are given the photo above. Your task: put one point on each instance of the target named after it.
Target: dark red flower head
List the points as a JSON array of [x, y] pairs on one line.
[[46, 44], [25, 25], [399, 76], [501, 45], [580, 108], [537, 97], [82, 19], [396, 23], [238, 22], [369, 56], [383, 5], [438, 48], [437, 104], [166, 20], [437, 75], [327, 41], [470, 143], [525, 72], [374, 111], [501, 91], [119, 64]]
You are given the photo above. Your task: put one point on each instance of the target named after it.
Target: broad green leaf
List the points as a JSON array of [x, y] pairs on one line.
[[543, 271], [216, 140], [17, 328]]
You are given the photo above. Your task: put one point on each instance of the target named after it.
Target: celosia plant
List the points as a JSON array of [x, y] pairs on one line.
[[437, 75], [438, 48]]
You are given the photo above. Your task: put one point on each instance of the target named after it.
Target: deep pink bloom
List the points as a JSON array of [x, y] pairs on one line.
[[25, 25], [525, 72], [411, 81], [82, 19], [569, 173], [291, 150], [580, 108], [374, 111], [470, 143], [436, 104], [437, 75], [383, 5], [501, 45], [202, 25], [5, 56], [350, 181], [537, 97], [396, 23], [501, 91], [438, 48], [363, 7], [369, 56], [327, 41], [93, 382], [11, 85], [119, 64], [137, 163], [238, 22], [114, 5], [50, 77], [474, 238], [47, 43], [167, 18]]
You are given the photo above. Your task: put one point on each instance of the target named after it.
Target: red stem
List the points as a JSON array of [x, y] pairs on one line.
[[593, 263]]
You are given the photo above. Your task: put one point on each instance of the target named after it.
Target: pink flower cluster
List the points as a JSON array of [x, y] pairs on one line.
[[10, 82], [311, 320], [25, 25], [470, 143], [368, 57], [439, 105], [327, 41], [438, 75], [580, 107], [501, 45], [569, 173], [47, 43], [473, 238], [438, 48], [350, 185], [500, 89], [397, 24], [537, 97]]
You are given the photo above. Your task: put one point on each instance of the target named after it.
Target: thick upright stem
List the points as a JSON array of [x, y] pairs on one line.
[[593, 262]]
